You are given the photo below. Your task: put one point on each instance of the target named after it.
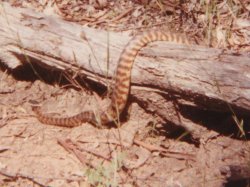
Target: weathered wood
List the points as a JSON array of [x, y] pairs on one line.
[[205, 78]]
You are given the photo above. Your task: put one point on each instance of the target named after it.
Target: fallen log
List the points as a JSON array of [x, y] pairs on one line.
[[166, 78]]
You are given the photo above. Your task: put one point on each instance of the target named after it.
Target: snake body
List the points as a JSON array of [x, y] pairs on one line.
[[122, 82]]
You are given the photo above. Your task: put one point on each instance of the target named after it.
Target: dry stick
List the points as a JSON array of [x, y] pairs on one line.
[[16, 175], [64, 15], [25, 176], [72, 81], [65, 145], [100, 19], [150, 147], [95, 154], [74, 148], [97, 22], [122, 15], [165, 152], [3, 122], [101, 141], [4, 148], [104, 20], [68, 146]]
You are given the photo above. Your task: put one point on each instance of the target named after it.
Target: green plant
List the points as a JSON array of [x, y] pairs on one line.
[[103, 176]]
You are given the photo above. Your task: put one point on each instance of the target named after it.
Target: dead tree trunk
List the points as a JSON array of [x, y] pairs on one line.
[[167, 79]]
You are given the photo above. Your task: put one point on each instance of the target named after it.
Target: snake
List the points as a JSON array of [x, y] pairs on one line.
[[121, 86]]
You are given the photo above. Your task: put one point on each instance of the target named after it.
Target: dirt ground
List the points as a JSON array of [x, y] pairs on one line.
[[142, 152]]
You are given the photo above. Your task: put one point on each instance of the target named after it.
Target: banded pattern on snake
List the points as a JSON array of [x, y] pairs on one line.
[[122, 82]]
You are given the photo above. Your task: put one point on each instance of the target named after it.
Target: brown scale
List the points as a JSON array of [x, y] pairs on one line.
[[122, 83]]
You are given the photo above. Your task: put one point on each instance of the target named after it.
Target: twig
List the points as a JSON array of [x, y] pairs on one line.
[[165, 152], [123, 14], [73, 148], [17, 175]]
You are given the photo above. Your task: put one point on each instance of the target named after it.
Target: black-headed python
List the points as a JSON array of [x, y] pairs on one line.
[[122, 83]]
